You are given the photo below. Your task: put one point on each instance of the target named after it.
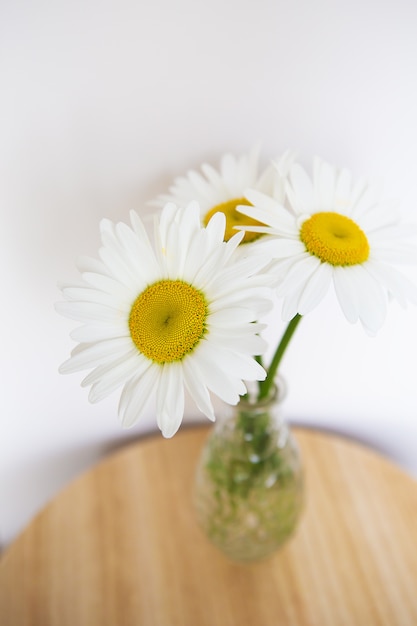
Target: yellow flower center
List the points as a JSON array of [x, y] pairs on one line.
[[335, 239], [167, 320], [233, 218]]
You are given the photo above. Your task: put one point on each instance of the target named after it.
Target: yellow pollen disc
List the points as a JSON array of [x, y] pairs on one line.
[[167, 320], [335, 239], [234, 218]]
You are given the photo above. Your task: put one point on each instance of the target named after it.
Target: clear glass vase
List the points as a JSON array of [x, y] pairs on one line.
[[248, 491]]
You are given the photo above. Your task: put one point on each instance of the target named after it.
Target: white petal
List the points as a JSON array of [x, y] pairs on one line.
[[236, 273], [85, 356], [88, 311], [364, 203], [197, 388], [114, 259], [302, 189], [257, 299], [357, 190], [396, 283], [110, 286], [215, 228], [135, 250], [111, 368], [266, 206], [315, 289], [88, 264], [214, 177], [299, 273], [277, 217], [137, 394], [170, 399], [370, 299], [228, 170], [244, 344], [242, 365], [107, 378], [279, 248], [290, 305], [231, 316], [346, 294], [99, 331], [223, 384], [88, 294], [199, 184], [342, 191], [324, 185]]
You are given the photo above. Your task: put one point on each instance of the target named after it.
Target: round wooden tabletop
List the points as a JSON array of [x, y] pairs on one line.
[[121, 547]]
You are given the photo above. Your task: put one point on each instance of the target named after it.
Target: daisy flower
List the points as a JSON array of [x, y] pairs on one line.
[[333, 232], [179, 314], [223, 190]]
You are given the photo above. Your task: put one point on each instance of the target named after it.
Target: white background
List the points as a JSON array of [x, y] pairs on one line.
[[101, 105]]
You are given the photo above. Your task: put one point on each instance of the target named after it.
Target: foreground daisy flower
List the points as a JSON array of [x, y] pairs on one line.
[[334, 232], [181, 314], [223, 190]]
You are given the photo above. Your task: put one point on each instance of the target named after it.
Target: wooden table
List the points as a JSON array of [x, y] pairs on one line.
[[121, 547]]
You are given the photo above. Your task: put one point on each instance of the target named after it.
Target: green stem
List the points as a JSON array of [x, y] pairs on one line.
[[265, 386]]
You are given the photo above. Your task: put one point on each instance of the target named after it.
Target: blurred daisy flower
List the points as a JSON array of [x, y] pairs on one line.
[[329, 231], [158, 319], [224, 189]]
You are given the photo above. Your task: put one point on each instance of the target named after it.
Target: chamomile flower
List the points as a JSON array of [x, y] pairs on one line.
[[225, 189], [333, 232], [159, 319]]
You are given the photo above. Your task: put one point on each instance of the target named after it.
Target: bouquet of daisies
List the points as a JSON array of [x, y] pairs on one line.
[[183, 311]]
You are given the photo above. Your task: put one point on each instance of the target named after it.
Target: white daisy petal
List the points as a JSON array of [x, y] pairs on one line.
[[342, 191], [281, 248], [110, 377], [252, 344], [299, 273], [114, 367], [222, 383], [88, 355], [302, 189], [364, 203], [98, 331], [170, 399], [261, 302], [197, 388], [372, 300], [324, 185], [315, 289], [134, 250], [290, 305], [240, 364], [87, 294], [86, 311], [87, 264], [228, 167], [213, 177], [137, 394], [357, 190], [277, 218], [398, 285], [231, 316], [346, 294], [108, 285]]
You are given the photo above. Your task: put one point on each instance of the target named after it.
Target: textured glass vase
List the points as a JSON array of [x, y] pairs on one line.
[[248, 491]]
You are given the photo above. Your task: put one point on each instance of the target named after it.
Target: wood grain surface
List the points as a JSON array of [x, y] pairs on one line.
[[121, 547]]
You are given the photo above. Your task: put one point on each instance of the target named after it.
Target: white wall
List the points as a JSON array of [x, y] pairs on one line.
[[102, 103]]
